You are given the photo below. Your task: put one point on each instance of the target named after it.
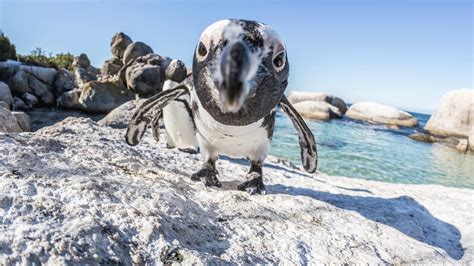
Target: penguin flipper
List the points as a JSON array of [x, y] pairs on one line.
[[155, 126], [149, 110], [309, 154]]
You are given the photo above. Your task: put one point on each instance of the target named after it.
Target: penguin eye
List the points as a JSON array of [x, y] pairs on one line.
[[201, 52], [202, 49], [279, 61]]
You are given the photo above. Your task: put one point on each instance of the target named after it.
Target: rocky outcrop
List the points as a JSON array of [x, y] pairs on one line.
[[70, 100], [76, 193], [19, 104], [382, 114], [30, 99], [32, 79], [147, 74], [84, 72], [317, 110], [111, 66], [104, 96], [454, 116], [6, 95], [119, 44], [11, 122], [23, 120], [300, 96], [64, 81], [135, 50]]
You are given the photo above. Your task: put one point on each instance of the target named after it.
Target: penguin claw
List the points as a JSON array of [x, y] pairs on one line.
[[208, 177], [254, 184]]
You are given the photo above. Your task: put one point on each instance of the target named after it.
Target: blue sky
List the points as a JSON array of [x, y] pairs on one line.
[[399, 52]]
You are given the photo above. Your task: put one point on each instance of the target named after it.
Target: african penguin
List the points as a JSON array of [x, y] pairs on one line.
[[178, 121], [240, 72]]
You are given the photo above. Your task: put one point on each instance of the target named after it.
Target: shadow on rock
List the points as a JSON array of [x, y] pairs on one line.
[[402, 213]]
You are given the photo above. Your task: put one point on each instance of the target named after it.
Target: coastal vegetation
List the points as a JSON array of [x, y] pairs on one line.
[[37, 57]]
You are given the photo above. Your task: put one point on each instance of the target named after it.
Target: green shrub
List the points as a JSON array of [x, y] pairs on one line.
[[39, 57], [7, 50]]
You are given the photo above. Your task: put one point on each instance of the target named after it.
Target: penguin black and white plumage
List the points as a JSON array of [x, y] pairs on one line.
[[240, 72], [178, 121]]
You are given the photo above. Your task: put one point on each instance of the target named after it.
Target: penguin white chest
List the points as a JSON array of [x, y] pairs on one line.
[[214, 138], [178, 121]]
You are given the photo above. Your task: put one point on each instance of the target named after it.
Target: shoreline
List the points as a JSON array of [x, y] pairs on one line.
[[75, 192]]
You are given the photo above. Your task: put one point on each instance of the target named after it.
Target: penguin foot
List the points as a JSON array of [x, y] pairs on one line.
[[254, 184], [208, 177]]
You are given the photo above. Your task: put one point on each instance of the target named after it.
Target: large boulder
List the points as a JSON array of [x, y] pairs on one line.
[[111, 66], [454, 116], [70, 100], [381, 113], [64, 81], [176, 71], [317, 110], [300, 96], [84, 72], [81, 61], [119, 43], [38, 81], [135, 50], [83, 76], [30, 99], [23, 120], [120, 116], [104, 96], [145, 80], [148, 73], [6, 95], [8, 122], [19, 104]]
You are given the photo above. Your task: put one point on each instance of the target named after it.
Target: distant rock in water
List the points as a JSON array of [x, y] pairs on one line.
[[381, 114], [300, 96], [317, 110], [455, 115], [423, 137]]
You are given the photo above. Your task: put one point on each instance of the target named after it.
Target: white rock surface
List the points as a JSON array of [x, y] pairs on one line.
[[76, 193], [120, 116], [455, 115], [381, 113]]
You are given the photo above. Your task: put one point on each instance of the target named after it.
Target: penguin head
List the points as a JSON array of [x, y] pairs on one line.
[[239, 64]]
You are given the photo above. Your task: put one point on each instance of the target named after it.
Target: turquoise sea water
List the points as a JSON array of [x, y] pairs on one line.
[[362, 150]]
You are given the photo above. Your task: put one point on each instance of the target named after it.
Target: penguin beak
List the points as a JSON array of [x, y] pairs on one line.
[[234, 66]]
